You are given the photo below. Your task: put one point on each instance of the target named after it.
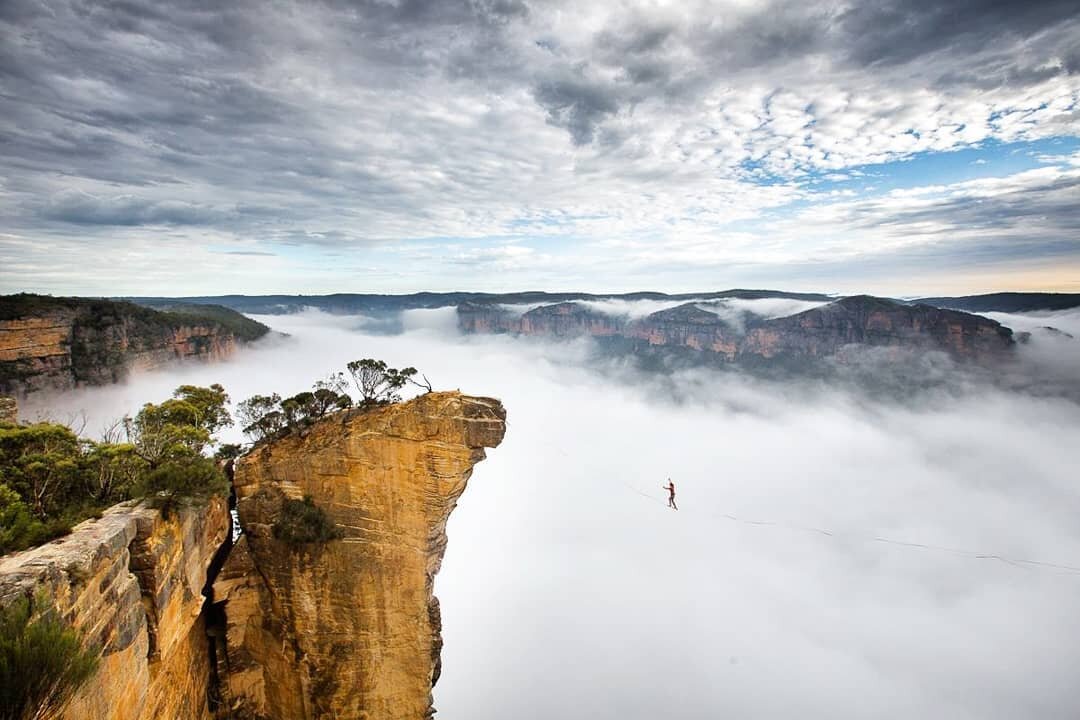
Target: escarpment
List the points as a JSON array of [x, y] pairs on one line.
[[826, 331], [348, 628], [60, 343], [131, 582], [193, 627], [865, 320]]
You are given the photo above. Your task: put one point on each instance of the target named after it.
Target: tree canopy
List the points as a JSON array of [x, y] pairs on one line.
[[51, 479]]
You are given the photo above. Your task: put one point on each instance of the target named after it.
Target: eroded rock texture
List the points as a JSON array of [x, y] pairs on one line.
[[132, 583], [348, 629], [62, 343]]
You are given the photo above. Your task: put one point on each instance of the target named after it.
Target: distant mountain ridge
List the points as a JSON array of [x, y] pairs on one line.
[[1009, 302], [344, 303], [824, 331]]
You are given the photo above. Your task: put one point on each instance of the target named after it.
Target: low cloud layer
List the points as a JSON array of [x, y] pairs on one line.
[[570, 590]]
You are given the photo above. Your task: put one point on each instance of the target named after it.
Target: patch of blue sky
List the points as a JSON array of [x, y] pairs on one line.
[[987, 159]]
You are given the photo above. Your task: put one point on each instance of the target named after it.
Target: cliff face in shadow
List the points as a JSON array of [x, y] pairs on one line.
[[60, 343], [348, 628], [821, 332], [865, 320]]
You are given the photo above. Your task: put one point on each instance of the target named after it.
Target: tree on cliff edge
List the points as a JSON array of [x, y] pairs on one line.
[[378, 384]]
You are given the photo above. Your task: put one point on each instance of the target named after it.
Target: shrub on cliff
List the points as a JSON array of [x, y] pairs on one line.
[[194, 478], [303, 522], [42, 661], [20, 528]]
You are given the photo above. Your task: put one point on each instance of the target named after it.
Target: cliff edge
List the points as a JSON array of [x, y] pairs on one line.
[[52, 343], [131, 583], [348, 628]]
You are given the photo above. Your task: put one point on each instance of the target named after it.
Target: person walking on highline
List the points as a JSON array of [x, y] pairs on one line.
[[670, 487]]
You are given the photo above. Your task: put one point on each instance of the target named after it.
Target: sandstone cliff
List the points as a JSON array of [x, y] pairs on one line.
[[865, 320], [348, 629], [61, 343], [826, 331], [345, 629], [132, 583], [565, 319]]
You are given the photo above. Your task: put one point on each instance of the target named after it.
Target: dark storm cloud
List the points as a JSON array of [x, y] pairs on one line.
[[576, 104], [898, 31]]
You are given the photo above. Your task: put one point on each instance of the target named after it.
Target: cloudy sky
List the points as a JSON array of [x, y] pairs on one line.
[[890, 146]]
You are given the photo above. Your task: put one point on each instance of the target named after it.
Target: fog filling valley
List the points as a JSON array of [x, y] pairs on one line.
[[569, 590]]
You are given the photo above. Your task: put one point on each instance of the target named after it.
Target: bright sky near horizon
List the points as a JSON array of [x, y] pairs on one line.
[[904, 147]]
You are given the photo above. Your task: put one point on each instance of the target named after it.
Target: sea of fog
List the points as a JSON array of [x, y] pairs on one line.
[[569, 589]]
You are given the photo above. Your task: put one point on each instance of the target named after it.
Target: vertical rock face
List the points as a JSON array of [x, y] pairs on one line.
[[132, 583], [865, 320], [349, 629], [61, 343], [687, 326], [568, 319], [486, 319]]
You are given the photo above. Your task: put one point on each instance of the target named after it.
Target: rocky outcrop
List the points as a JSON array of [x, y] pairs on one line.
[[61, 343], [827, 331], [349, 628], [687, 326], [131, 582], [487, 319], [568, 319]]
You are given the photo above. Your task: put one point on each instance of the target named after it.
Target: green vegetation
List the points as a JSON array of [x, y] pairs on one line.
[[268, 416], [378, 384], [42, 661], [50, 479], [244, 328], [303, 522], [99, 313]]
